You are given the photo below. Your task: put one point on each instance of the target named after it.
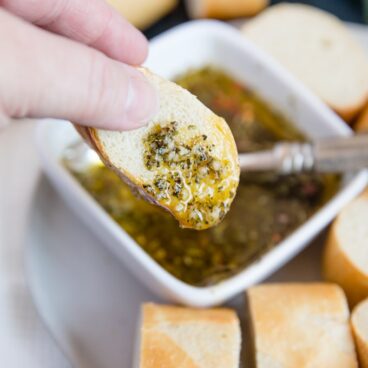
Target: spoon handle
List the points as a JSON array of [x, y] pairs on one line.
[[330, 155]]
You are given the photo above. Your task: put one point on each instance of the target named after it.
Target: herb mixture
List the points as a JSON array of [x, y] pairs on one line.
[[266, 209], [188, 177]]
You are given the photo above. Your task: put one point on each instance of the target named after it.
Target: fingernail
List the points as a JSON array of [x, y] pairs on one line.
[[142, 101]]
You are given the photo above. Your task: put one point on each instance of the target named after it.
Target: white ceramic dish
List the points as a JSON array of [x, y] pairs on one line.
[[88, 300], [189, 46]]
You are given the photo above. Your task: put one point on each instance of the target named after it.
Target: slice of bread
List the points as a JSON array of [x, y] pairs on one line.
[[224, 9], [185, 160], [174, 337], [301, 326], [361, 125], [345, 259], [359, 323], [143, 13], [319, 50]]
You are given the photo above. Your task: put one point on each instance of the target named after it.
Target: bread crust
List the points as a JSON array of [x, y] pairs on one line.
[[360, 332], [350, 113], [361, 125], [153, 314], [225, 9], [338, 267], [91, 138]]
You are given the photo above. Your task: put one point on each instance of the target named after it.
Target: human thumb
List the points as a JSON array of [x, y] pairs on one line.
[[46, 75]]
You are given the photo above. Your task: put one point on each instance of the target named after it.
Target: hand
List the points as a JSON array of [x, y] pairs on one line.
[[70, 59]]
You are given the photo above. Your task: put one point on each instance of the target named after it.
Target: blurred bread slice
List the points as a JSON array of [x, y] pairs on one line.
[[175, 337], [301, 326], [224, 9], [319, 50], [143, 13], [359, 323], [361, 125], [345, 259], [184, 160]]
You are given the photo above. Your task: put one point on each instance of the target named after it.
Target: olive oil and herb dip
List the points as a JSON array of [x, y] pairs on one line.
[[266, 209], [197, 185]]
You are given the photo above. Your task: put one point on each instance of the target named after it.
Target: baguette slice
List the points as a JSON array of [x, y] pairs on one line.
[[224, 9], [185, 160], [301, 325], [345, 259], [143, 13], [319, 50], [359, 323], [174, 337]]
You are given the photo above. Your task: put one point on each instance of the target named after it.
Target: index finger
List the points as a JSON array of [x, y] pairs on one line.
[[92, 22]]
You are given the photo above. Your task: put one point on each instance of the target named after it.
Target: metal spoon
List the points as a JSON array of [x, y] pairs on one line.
[[329, 155]]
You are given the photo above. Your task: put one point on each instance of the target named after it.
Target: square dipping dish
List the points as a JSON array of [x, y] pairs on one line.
[[187, 47]]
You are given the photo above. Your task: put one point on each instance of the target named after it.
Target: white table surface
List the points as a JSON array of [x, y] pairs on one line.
[[24, 341]]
